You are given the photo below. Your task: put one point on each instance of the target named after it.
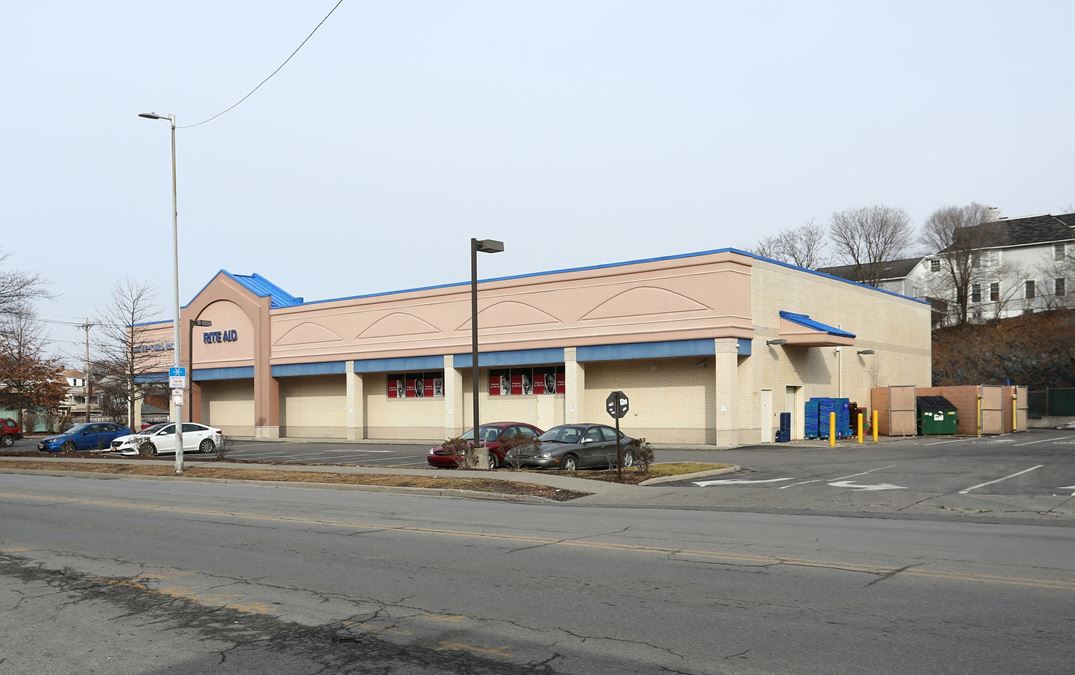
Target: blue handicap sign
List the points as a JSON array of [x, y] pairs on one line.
[[177, 372]]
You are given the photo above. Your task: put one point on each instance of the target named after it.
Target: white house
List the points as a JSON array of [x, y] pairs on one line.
[[1018, 265]]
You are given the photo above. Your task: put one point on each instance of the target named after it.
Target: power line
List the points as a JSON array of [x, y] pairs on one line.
[[251, 92]]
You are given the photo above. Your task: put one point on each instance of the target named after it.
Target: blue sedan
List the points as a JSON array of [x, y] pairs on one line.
[[94, 436]]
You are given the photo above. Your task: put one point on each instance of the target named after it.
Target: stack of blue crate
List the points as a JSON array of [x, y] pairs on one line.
[[817, 417]]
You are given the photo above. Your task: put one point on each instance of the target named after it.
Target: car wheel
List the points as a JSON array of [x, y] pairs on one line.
[[492, 461], [207, 445], [69, 446], [147, 449], [628, 459], [7, 441], [569, 463]]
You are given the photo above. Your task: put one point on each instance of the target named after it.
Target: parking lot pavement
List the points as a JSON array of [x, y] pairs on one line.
[[1028, 475], [329, 453]]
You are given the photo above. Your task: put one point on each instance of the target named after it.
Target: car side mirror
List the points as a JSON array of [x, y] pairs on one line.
[[585, 441]]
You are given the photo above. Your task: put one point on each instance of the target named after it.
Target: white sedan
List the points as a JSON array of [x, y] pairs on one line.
[[159, 439]]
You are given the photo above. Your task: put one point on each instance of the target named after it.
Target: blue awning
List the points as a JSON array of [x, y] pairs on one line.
[[805, 320]]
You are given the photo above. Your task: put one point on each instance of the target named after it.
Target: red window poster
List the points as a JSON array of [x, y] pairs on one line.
[[412, 382], [561, 385], [499, 385], [396, 388], [516, 383], [428, 389], [544, 380]]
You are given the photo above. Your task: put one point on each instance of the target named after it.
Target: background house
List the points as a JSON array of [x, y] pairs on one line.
[[1017, 265]]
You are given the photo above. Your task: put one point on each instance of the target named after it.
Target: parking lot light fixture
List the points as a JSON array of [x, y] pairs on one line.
[[201, 323], [477, 246], [864, 352], [777, 342], [175, 282]]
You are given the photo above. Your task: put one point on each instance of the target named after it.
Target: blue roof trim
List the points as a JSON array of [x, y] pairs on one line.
[[262, 287], [519, 357], [152, 323], [646, 350], [233, 373], [300, 369], [805, 320], [745, 346], [402, 363]]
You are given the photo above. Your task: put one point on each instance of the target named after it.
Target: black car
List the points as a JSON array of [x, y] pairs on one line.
[[574, 446]]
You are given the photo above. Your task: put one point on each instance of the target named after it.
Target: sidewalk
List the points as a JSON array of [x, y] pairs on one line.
[[550, 478]]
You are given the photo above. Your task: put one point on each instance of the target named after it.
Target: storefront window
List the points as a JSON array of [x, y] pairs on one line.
[[416, 385], [526, 381]]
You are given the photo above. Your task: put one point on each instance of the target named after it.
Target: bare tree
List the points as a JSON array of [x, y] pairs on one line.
[[18, 288], [867, 237], [125, 354], [28, 378], [953, 233], [804, 246]]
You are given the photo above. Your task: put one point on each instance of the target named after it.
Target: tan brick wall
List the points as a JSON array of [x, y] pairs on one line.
[[229, 406], [408, 418], [898, 330], [313, 407], [541, 410], [672, 400]]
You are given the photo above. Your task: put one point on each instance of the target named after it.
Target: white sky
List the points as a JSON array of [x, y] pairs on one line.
[[578, 132]]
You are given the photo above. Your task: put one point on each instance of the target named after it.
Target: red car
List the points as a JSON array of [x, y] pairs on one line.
[[10, 431], [499, 437]]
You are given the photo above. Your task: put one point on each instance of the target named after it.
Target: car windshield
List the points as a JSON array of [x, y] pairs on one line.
[[564, 434], [155, 428], [77, 428], [488, 434]]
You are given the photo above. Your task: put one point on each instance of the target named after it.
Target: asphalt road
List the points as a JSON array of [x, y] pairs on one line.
[[134, 576]]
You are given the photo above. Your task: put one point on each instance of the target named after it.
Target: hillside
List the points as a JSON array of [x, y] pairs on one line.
[[1037, 350]]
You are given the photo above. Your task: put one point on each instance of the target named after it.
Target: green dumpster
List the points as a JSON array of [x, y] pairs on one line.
[[936, 416]]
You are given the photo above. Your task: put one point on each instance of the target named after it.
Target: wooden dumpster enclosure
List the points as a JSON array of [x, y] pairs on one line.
[[896, 408]]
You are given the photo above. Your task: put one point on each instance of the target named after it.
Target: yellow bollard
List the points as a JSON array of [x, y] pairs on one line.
[[979, 417], [860, 429], [832, 430], [875, 425], [1015, 411]]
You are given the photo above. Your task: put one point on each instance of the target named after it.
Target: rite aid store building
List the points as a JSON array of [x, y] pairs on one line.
[[690, 338]]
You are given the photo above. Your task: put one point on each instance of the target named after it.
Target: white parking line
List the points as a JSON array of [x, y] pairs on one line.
[[1046, 440], [1018, 473], [819, 480]]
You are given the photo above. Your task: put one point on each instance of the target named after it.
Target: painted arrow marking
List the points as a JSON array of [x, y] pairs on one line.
[[739, 481], [866, 488]]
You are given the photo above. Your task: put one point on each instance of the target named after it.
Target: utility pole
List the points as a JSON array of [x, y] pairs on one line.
[[89, 387]]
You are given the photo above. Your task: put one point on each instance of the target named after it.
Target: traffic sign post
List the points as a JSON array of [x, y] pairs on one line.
[[177, 378], [617, 404]]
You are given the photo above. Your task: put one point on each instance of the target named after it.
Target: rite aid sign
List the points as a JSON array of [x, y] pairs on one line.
[[213, 337]]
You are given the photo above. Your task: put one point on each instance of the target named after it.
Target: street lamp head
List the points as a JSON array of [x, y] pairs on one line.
[[203, 323], [151, 116], [863, 352], [778, 341], [488, 245]]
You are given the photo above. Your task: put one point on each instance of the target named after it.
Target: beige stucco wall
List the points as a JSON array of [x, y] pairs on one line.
[[898, 330], [313, 407], [672, 400], [683, 298], [229, 405]]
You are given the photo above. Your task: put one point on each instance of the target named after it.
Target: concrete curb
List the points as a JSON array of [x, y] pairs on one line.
[[429, 492], [690, 476]]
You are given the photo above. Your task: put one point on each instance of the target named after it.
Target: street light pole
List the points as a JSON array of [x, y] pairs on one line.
[[176, 332], [201, 323], [476, 246]]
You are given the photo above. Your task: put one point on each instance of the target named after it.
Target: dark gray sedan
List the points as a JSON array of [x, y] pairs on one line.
[[574, 446]]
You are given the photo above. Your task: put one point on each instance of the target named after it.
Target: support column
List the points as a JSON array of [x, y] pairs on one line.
[[137, 423], [356, 402], [726, 372], [266, 407], [574, 388], [194, 409], [454, 423]]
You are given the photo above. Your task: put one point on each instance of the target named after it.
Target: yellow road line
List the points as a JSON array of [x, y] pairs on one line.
[[723, 556]]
